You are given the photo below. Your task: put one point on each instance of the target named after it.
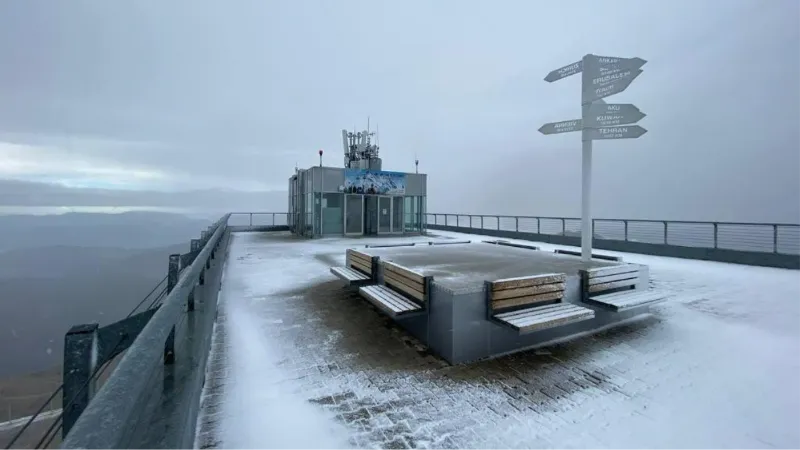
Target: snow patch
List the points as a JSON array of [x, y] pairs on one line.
[[260, 410]]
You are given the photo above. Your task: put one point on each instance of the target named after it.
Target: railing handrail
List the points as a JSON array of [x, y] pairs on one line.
[[108, 415], [718, 222]]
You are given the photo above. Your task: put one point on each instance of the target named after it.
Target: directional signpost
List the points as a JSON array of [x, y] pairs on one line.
[[622, 132], [601, 114], [601, 77], [561, 127]]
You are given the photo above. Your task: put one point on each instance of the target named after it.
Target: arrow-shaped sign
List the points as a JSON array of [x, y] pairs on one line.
[[605, 87], [603, 114], [624, 132], [564, 72], [605, 63], [561, 127]]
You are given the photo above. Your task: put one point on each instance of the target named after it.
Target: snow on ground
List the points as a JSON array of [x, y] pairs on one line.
[[299, 362]]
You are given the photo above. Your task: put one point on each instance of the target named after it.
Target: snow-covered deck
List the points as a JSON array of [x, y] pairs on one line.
[[298, 361]]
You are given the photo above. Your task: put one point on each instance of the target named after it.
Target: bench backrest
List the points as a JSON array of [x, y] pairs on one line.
[[514, 293], [603, 279], [359, 261], [562, 251], [406, 281]]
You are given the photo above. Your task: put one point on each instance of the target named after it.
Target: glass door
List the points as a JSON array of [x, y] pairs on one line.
[[397, 214], [384, 215], [354, 214]]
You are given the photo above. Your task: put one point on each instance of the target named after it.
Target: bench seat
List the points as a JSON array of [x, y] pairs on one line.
[[542, 317], [388, 300], [614, 288], [624, 300], [351, 276]]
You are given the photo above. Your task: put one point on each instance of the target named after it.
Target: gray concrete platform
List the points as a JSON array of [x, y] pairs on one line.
[[457, 324], [464, 266]]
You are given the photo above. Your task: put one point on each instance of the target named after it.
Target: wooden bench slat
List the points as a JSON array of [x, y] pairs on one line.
[[411, 282], [529, 299], [613, 270], [533, 316], [615, 277], [396, 302], [612, 285], [525, 291], [366, 268], [348, 274], [620, 301], [519, 282], [408, 273], [543, 317], [528, 311], [403, 285], [388, 300], [355, 254]]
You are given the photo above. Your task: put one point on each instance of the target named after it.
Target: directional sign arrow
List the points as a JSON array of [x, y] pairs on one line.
[[608, 86], [600, 64], [603, 114], [604, 64], [564, 72], [561, 127], [623, 132]]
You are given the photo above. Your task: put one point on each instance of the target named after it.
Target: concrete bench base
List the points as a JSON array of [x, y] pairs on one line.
[[350, 276], [542, 317], [624, 300], [389, 301]]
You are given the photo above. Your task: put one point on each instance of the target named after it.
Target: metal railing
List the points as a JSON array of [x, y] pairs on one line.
[[777, 238], [257, 219], [111, 416], [52, 433]]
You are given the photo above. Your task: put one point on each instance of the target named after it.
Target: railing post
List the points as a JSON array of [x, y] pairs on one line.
[[172, 281], [172, 273], [481, 222], [666, 226], [625, 222], [194, 247], [516, 224], [716, 234], [594, 228], [774, 238], [538, 226], [80, 361], [190, 301], [563, 227]]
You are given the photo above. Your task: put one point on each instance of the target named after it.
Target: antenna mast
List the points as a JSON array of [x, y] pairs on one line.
[[359, 150]]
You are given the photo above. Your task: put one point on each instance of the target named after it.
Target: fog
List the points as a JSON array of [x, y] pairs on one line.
[[131, 102]]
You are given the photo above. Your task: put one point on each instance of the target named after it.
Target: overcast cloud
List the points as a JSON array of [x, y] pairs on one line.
[[184, 95]]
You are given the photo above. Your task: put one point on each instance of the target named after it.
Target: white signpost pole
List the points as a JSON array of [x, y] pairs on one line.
[[586, 201], [586, 180]]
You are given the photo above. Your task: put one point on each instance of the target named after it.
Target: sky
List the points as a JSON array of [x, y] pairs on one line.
[[124, 101]]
